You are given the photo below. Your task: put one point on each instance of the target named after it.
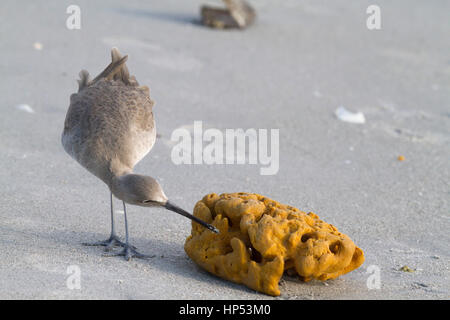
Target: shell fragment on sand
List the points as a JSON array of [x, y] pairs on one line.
[[260, 239], [237, 14], [25, 107], [348, 116], [38, 46]]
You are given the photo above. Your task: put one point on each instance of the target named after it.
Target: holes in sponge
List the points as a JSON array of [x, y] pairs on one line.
[[307, 236], [228, 249], [334, 247], [255, 255]]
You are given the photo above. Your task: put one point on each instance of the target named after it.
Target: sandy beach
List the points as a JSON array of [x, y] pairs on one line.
[[290, 71]]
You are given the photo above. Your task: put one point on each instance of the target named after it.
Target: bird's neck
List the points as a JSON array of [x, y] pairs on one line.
[[117, 172], [118, 187], [117, 169]]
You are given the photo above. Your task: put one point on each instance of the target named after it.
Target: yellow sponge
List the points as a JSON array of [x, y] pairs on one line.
[[260, 239]]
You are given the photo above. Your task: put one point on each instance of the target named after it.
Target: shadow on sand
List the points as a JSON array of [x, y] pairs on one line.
[[169, 256], [180, 18]]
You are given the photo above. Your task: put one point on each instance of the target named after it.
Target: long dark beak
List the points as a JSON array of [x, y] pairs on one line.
[[178, 210]]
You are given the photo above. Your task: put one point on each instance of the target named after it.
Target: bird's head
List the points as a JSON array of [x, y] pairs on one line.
[[145, 191], [139, 190]]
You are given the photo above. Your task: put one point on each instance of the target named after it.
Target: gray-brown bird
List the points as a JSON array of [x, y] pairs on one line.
[[109, 128]]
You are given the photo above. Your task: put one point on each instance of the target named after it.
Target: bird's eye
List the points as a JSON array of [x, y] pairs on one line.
[[147, 201]]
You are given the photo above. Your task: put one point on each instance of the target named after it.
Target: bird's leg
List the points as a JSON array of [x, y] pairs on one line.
[[128, 250], [113, 240]]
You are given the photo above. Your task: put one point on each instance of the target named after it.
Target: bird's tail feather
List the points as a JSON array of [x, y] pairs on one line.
[[122, 72], [116, 70], [84, 80]]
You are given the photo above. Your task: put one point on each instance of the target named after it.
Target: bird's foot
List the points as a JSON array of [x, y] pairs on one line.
[[128, 252], [110, 243]]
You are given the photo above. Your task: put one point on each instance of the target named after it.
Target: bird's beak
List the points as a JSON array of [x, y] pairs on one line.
[[178, 210]]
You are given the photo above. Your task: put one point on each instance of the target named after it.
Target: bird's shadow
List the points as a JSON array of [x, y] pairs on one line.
[[180, 18], [168, 256]]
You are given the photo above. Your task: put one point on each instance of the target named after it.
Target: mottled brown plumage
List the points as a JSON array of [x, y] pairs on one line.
[[109, 126]]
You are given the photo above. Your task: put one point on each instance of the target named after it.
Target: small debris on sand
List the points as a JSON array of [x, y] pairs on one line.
[[237, 14], [419, 285], [25, 107], [38, 46], [401, 158], [406, 269], [348, 116]]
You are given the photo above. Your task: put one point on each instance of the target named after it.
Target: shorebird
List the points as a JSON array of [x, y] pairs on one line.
[[109, 128]]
